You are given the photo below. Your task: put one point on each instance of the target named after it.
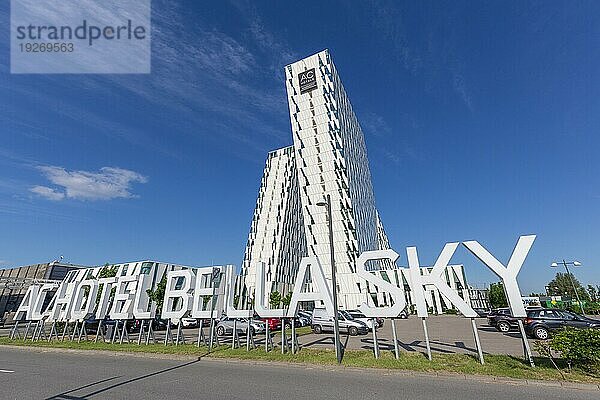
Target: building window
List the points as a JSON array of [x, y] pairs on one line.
[[146, 268]]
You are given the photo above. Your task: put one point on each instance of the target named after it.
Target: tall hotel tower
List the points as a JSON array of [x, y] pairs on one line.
[[328, 157]]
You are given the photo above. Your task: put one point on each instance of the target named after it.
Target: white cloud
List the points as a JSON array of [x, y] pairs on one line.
[[109, 183], [48, 193]]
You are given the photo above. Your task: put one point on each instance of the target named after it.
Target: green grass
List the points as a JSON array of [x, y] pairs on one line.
[[495, 365]]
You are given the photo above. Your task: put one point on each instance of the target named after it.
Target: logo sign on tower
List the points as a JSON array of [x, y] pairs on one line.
[[307, 80]]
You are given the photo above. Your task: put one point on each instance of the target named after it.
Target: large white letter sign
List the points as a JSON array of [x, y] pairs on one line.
[[180, 296], [508, 274], [36, 312], [142, 308], [321, 293], [205, 286], [107, 285], [62, 304], [78, 311], [122, 307], [435, 278], [416, 286], [26, 306], [396, 293], [259, 298], [230, 310]]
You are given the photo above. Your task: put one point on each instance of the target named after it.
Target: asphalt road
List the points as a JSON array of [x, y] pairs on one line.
[[38, 374]]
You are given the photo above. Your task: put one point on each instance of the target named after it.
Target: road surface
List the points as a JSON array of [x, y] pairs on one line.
[[42, 374]]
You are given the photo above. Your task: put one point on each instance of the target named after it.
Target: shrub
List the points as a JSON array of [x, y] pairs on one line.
[[579, 347], [451, 311]]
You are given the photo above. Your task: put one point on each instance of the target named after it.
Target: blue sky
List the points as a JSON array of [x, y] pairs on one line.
[[481, 121]]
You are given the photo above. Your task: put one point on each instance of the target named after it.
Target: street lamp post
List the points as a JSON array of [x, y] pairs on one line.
[[566, 265], [336, 325]]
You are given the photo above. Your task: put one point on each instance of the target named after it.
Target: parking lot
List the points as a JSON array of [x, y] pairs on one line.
[[447, 334]]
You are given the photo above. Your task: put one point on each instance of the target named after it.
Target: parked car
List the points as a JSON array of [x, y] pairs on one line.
[[322, 322], [189, 322], [91, 324], [359, 316], [482, 312], [502, 320], [225, 326], [302, 320], [159, 324], [274, 323], [540, 322], [305, 314]]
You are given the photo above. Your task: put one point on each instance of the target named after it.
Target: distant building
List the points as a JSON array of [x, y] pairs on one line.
[[479, 298], [15, 281]]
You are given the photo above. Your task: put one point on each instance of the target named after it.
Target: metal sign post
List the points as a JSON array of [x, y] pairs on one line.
[[99, 332], [15, 331], [294, 338], [35, 329], [179, 334], [64, 331], [426, 338], [150, 333], [235, 340], [42, 331], [82, 332], [72, 337], [53, 331], [375, 342], [526, 348], [283, 337], [214, 280], [201, 337], [168, 332], [477, 342], [249, 336], [141, 332], [267, 335], [396, 349], [124, 332], [26, 330]]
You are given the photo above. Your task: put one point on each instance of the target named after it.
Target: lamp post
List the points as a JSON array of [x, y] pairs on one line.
[[566, 265], [336, 325]]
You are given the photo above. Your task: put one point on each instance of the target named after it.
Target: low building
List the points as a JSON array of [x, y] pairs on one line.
[[479, 298], [15, 281]]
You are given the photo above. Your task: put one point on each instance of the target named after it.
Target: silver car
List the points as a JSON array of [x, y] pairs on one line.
[[225, 326]]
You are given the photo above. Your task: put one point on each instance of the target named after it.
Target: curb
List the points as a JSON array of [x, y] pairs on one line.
[[379, 371]]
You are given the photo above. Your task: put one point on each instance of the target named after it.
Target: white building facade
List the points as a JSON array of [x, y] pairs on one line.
[[328, 157]]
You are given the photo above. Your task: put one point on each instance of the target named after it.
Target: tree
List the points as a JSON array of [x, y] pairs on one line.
[[158, 295], [275, 299], [594, 293], [106, 272], [561, 285], [286, 300], [497, 295]]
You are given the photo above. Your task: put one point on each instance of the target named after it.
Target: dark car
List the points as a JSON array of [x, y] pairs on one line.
[[539, 323], [482, 312], [502, 320]]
